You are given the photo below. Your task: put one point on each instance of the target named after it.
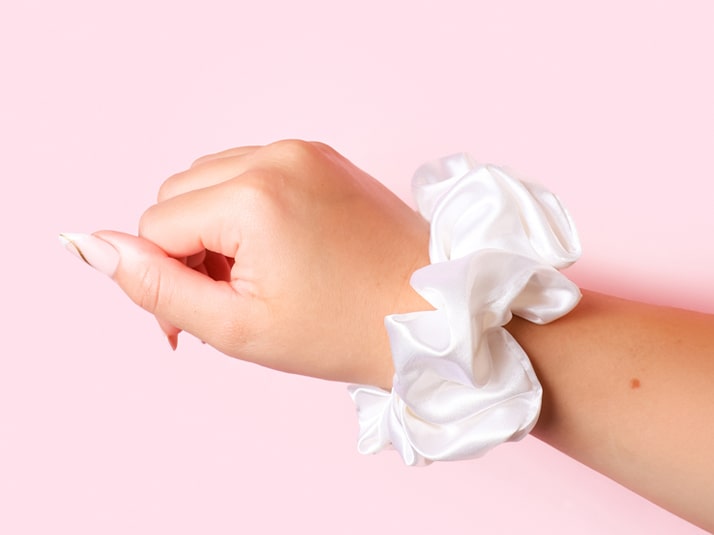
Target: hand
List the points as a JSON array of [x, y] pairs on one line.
[[285, 255]]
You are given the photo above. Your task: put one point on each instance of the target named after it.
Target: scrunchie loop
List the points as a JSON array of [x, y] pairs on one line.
[[462, 384]]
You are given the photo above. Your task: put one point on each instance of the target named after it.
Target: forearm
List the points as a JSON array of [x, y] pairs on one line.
[[628, 392]]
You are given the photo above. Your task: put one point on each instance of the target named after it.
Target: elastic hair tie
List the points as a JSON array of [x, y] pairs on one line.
[[462, 383]]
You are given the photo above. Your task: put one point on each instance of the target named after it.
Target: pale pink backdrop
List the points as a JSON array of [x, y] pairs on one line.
[[104, 430]]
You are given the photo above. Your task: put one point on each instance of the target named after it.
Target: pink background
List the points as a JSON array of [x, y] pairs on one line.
[[104, 430]]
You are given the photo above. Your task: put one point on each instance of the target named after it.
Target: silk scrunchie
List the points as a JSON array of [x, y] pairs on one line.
[[462, 384]]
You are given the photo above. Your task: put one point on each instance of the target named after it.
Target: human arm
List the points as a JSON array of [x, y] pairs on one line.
[[285, 255], [290, 257], [627, 390]]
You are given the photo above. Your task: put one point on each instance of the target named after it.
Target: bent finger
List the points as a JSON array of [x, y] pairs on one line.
[[182, 297], [210, 173], [199, 220], [235, 151]]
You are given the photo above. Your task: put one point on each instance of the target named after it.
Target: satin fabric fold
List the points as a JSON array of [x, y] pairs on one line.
[[462, 384]]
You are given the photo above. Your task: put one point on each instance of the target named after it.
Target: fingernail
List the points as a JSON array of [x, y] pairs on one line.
[[99, 254], [170, 331]]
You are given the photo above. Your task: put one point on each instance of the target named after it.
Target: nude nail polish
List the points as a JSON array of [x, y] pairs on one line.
[[99, 254]]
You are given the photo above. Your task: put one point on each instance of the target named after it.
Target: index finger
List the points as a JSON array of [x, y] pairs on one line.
[[191, 222]]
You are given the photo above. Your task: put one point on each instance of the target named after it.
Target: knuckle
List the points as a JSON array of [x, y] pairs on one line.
[[324, 147], [166, 189], [201, 160], [146, 222], [150, 292], [260, 189], [295, 151], [173, 186]]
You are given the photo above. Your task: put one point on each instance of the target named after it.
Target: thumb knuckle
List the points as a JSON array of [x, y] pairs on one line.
[[151, 291]]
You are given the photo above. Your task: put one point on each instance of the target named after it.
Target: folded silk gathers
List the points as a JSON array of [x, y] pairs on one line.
[[462, 383]]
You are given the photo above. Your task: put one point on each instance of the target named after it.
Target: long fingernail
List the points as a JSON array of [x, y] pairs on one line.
[[173, 341], [99, 254]]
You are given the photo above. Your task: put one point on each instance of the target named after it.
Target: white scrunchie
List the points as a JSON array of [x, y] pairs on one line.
[[462, 384]]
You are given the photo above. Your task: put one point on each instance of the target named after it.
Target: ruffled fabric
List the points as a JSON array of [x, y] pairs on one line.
[[462, 384]]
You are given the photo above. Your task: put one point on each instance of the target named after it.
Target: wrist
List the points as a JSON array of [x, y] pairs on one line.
[[462, 384]]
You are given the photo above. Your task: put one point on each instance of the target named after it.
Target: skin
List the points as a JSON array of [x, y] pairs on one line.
[[628, 391], [289, 256], [297, 235]]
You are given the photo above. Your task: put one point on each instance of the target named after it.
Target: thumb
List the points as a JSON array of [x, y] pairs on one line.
[[158, 283]]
